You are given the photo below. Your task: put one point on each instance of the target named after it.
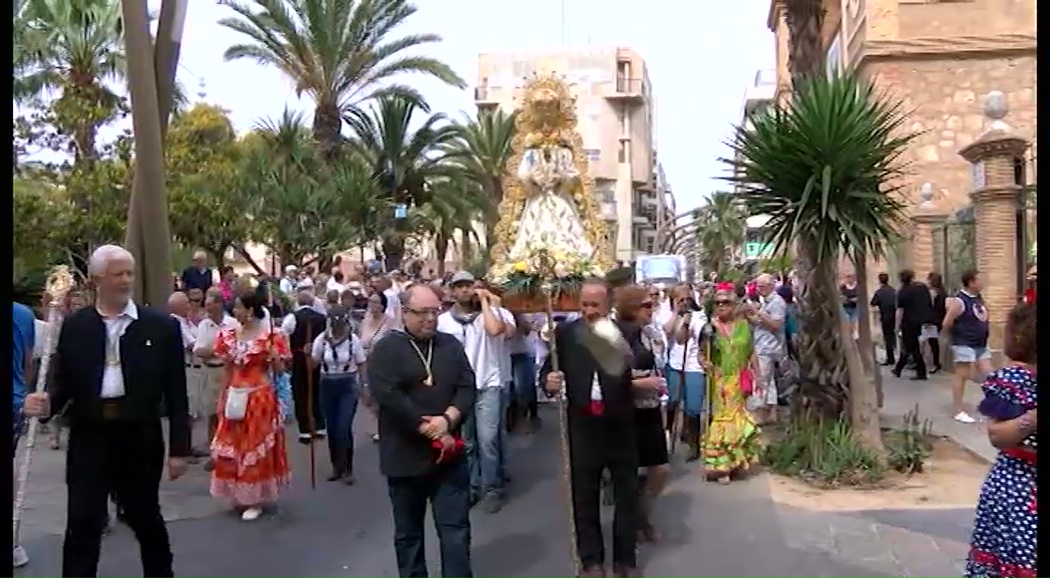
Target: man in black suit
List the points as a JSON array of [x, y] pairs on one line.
[[424, 385], [302, 327], [114, 365], [601, 436], [914, 309]]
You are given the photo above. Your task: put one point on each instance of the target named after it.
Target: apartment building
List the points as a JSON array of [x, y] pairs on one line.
[[616, 108]]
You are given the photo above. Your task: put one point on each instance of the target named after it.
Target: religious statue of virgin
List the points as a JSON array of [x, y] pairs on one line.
[[549, 199]]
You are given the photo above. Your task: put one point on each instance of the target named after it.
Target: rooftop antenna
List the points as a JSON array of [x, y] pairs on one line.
[[563, 23]]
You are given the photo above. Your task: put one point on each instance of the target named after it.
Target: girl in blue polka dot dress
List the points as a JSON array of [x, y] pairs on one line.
[[1003, 544]]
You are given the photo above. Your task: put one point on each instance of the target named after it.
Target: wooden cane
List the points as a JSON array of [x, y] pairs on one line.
[[310, 419], [563, 430], [59, 282]]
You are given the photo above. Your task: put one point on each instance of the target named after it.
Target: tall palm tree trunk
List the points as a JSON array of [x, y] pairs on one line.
[[327, 129]]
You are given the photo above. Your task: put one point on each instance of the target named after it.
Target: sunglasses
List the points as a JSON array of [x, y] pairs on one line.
[[724, 302]]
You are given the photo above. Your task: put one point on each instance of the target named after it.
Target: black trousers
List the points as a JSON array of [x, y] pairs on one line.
[[889, 337], [911, 350], [300, 396], [447, 488], [127, 460], [596, 444]]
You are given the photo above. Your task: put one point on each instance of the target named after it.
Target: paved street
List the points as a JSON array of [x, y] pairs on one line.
[[709, 530]]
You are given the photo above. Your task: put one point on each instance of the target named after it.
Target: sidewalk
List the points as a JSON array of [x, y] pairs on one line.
[[933, 397]]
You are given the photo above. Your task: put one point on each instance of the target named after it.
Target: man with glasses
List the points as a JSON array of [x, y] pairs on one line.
[[424, 386]]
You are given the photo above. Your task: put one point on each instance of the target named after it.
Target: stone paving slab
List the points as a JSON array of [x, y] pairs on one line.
[[708, 529]]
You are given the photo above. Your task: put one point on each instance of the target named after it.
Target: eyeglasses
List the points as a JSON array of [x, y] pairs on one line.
[[725, 302], [423, 312]]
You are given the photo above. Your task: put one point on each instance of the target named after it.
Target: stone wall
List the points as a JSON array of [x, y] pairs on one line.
[[943, 99]]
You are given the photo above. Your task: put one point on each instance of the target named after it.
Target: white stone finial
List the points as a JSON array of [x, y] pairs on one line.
[[926, 196], [996, 108]]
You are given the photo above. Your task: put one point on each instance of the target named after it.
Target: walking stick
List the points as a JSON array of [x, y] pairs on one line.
[[59, 282], [310, 421], [563, 416], [705, 416]]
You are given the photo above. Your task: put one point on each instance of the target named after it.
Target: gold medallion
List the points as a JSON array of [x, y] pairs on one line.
[[426, 360]]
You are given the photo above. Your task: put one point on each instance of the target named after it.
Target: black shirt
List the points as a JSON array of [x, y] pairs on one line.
[[885, 299], [396, 376], [849, 296], [915, 305]]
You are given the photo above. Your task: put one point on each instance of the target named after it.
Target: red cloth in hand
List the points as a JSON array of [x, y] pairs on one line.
[[446, 454], [597, 407]]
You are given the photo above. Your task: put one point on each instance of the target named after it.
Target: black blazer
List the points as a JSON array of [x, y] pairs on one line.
[[579, 367], [153, 363]]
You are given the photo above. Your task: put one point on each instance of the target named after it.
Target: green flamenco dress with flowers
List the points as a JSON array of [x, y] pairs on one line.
[[732, 442]]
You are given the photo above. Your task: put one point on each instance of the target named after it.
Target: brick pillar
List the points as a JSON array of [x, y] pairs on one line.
[[924, 256], [996, 197]]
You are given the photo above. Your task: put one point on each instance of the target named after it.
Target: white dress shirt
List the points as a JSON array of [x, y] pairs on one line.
[[112, 375], [189, 336], [208, 331]]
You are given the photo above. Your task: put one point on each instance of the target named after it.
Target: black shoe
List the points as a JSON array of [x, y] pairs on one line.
[[920, 378], [888, 363], [895, 372]]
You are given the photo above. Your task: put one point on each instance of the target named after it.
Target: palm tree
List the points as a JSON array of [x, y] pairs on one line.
[[483, 148], [339, 53], [720, 230], [454, 207], [403, 160], [73, 47], [806, 54], [826, 169]]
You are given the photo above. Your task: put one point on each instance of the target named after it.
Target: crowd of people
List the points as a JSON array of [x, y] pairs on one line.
[[450, 373]]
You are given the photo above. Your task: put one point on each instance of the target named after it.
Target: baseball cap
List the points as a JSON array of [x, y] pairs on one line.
[[462, 277], [290, 269]]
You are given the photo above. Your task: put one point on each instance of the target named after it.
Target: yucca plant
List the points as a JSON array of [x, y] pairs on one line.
[[826, 168]]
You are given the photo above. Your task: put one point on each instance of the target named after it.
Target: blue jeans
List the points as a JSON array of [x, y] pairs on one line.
[[339, 406], [447, 488], [695, 390], [523, 366], [484, 442]]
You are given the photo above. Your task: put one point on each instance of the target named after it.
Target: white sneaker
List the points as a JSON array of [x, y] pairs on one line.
[[964, 417], [251, 514], [19, 557]]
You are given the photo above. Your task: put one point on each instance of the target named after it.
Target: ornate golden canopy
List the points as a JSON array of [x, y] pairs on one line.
[[547, 117]]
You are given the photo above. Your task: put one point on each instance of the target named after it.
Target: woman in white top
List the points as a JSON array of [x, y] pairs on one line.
[[340, 354], [374, 326]]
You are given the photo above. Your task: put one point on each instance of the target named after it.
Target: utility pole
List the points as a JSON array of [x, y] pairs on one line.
[[151, 82]]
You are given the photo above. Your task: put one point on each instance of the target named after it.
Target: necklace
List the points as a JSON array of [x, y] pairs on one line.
[[429, 381]]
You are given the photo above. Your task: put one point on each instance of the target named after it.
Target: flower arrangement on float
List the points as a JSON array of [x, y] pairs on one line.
[[526, 271]]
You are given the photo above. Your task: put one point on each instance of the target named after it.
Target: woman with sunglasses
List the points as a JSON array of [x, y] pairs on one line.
[[634, 309], [731, 445]]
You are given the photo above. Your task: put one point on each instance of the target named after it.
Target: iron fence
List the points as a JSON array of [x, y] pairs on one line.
[[955, 247]]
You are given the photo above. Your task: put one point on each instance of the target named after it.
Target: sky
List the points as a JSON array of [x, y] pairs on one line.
[[701, 57]]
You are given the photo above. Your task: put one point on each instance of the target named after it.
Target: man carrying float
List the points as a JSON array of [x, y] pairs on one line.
[[549, 257]]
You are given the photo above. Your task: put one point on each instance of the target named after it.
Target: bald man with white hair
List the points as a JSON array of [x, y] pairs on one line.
[[767, 321], [115, 365]]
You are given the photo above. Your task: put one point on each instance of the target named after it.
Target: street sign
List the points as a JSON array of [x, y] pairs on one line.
[[755, 251]]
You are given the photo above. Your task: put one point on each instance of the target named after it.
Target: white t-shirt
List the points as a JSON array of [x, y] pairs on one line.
[[341, 359], [692, 356], [208, 332], [393, 307], [486, 353]]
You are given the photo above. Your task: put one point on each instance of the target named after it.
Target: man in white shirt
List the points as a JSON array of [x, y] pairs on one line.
[[290, 279], [214, 369], [478, 321], [335, 283], [393, 299], [685, 333]]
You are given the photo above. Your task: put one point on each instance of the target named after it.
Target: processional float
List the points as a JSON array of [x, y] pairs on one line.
[[58, 284], [550, 237]]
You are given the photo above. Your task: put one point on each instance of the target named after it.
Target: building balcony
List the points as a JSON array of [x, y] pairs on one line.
[[630, 89], [483, 97]]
